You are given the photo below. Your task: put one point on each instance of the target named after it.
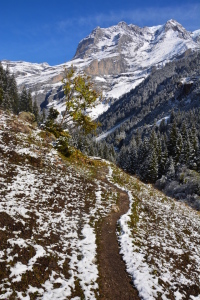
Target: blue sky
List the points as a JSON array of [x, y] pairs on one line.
[[50, 30]]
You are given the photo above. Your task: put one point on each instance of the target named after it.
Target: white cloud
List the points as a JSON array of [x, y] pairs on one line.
[[187, 15]]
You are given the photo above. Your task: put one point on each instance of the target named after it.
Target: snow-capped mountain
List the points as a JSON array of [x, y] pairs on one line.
[[129, 47], [118, 58]]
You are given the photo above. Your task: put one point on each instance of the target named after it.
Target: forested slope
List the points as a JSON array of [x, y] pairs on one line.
[[158, 139], [176, 85]]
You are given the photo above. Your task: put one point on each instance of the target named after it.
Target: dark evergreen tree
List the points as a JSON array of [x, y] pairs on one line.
[[13, 94], [106, 153], [1, 96], [153, 142], [53, 114], [123, 162], [151, 174], [8, 91], [43, 117], [29, 102], [173, 136], [143, 153], [25, 101], [179, 147], [36, 111], [133, 158], [184, 132], [186, 152], [170, 170]]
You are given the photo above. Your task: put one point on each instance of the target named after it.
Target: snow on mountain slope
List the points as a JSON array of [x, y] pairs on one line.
[[118, 58], [156, 239], [137, 47]]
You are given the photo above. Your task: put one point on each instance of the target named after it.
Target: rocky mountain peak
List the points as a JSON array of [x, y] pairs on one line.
[[106, 41], [123, 25], [178, 28]]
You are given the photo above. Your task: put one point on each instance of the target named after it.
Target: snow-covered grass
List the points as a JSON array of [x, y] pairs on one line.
[[48, 211], [160, 242]]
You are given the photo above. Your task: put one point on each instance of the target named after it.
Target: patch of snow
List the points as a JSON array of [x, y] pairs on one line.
[[98, 110], [17, 271], [87, 269], [196, 33], [165, 119]]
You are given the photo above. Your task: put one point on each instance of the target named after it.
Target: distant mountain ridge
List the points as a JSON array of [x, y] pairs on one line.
[[118, 58], [130, 47]]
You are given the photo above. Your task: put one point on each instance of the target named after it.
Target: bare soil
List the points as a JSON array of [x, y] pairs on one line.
[[114, 282]]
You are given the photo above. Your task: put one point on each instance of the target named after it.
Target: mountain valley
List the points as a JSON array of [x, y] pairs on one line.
[[114, 215]]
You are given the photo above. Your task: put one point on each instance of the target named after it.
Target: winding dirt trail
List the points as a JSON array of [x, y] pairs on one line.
[[115, 283]]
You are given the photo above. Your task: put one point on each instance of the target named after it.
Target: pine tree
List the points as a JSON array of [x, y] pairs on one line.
[[7, 101], [106, 152], [172, 116], [194, 138], [170, 171], [184, 132], [13, 94], [152, 167], [23, 100], [29, 102], [43, 117], [153, 141], [1, 95], [8, 91], [194, 147], [179, 147], [163, 162], [36, 111], [173, 136], [123, 158], [133, 158]]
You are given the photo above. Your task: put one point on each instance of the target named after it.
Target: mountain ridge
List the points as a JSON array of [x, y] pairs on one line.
[[118, 58]]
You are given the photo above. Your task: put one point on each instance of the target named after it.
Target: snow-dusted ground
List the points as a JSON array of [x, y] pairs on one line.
[[160, 242], [48, 210]]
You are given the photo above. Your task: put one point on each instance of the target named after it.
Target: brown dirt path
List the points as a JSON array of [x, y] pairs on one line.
[[114, 282]]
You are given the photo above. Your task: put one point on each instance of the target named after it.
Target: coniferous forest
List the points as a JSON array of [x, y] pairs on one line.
[[168, 154], [11, 99], [159, 135]]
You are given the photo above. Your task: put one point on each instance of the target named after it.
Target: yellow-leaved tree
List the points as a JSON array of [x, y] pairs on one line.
[[80, 98]]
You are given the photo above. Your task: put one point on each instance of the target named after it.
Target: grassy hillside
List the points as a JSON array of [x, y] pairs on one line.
[[51, 213]]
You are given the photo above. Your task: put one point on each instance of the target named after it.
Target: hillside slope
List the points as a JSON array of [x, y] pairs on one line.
[[54, 212], [174, 87]]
